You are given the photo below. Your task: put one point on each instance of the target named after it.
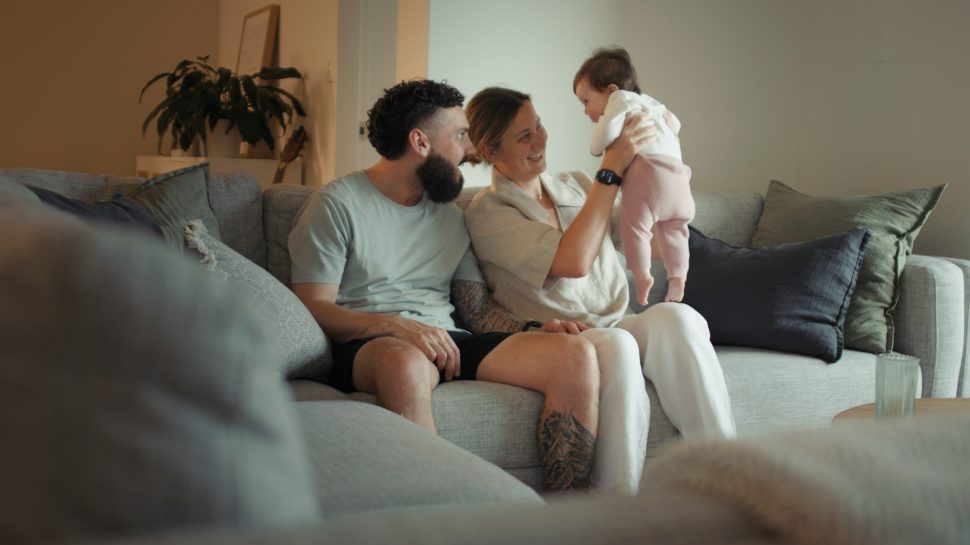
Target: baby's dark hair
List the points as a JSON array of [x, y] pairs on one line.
[[608, 65], [407, 105]]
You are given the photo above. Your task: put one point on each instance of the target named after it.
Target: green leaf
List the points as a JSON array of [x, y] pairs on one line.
[[150, 82], [161, 105], [252, 94], [249, 128], [278, 73]]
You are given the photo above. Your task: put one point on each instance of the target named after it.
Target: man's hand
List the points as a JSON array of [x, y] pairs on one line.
[[435, 343], [564, 326]]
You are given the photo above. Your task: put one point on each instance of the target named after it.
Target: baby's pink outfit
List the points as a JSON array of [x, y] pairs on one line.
[[656, 186], [657, 198]]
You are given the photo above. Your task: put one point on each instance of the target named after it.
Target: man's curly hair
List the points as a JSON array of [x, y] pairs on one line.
[[407, 105]]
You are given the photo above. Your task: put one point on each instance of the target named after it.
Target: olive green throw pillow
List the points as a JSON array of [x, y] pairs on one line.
[[893, 221], [176, 197]]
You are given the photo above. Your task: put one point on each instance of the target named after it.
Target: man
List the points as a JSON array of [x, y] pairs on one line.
[[375, 255]]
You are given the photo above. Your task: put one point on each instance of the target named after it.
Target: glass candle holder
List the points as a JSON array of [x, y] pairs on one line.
[[896, 378]]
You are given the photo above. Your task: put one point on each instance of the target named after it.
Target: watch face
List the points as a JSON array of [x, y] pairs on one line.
[[608, 177]]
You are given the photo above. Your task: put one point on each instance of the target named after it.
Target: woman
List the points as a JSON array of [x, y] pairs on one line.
[[543, 246]]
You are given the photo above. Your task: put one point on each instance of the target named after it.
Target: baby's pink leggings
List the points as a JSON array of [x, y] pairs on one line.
[[657, 198]]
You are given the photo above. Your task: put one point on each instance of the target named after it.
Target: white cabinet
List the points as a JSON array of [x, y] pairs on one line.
[[261, 169]]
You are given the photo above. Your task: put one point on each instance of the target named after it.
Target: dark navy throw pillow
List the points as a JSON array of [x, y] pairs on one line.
[[790, 297], [119, 211]]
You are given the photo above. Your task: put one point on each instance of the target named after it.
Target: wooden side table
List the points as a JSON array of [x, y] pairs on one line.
[[927, 406]]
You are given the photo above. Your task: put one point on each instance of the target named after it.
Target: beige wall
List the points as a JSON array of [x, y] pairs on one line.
[[307, 41], [885, 106], [73, 70], [413, 18]]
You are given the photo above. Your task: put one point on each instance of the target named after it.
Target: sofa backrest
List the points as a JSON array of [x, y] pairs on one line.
[[728, 216], [257, 224], [234, 197]]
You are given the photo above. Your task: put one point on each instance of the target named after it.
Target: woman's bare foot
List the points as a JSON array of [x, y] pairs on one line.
[[644, 282], [675, 289]]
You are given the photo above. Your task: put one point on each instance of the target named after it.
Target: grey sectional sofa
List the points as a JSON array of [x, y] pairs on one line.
[[769, 390], [139, 396]]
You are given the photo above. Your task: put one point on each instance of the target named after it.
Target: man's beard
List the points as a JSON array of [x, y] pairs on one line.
[[441, 180]]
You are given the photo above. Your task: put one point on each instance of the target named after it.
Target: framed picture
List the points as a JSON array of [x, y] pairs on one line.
[[258, 39]]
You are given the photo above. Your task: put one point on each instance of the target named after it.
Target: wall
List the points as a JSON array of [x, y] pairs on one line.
[[73, 71], [886, 106], [836, 97], [307, 39]]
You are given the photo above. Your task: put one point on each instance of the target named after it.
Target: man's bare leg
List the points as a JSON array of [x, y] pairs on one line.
[[564, 369], [401, 377]]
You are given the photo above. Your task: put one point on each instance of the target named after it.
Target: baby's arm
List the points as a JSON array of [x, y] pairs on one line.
[[673, 121], [610, 123]]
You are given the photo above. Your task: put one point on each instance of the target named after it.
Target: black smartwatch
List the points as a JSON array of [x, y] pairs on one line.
[[532, 324], [608, 177]]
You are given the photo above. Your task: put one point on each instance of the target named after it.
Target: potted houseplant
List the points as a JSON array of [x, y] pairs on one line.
[[198, 96]]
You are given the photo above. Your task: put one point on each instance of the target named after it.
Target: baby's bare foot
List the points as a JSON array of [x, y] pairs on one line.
[[644, 282], [675, 289]]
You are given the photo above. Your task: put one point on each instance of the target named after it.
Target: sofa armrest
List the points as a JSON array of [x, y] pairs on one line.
[[930, 320], [963, 388]]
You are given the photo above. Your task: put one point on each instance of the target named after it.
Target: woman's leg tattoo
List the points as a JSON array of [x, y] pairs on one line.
[[565, 451]]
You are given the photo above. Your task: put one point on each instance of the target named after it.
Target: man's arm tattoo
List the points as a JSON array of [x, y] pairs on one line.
[[477, 310], [565, 452]]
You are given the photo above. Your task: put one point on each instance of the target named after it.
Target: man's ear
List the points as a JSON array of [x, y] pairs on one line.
[[419, 142]]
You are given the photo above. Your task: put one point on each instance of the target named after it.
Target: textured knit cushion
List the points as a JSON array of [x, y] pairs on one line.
[[134, 395], [893, 221], [791, 297], [118, 211], [176, 197], [303, 347]]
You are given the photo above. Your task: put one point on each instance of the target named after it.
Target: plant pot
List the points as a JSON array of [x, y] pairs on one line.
[[220, 144]]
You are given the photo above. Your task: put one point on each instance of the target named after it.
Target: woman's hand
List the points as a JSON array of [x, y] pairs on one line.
[[564, 326], [634, 136]]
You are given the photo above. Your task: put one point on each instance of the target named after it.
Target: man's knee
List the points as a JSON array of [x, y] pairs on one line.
[[392, 363]]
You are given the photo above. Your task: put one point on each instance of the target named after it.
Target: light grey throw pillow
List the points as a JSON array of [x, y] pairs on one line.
[[134, 395], [303, 348]]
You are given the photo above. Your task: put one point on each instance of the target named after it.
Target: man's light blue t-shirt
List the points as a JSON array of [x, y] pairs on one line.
[[387, 258]]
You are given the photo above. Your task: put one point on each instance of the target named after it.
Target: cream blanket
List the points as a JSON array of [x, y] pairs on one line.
[[858, 483]]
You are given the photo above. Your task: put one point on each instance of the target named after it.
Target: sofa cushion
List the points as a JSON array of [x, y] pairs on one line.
[[366, 458], [791, 297], [237, 202], [120, 210], [893, 221], [304, 350], [176, 197], [134, 394]]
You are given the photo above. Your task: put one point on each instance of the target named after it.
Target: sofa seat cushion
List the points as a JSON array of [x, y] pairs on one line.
[[367, 458], [496, 422], [773, 391], [134, 394]]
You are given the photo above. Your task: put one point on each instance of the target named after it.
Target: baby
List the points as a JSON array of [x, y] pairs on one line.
[[656, 185]]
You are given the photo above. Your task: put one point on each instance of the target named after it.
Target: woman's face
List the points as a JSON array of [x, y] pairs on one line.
[[521, 154]]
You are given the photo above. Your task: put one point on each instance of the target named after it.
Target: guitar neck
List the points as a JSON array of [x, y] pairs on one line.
[[280, 171]]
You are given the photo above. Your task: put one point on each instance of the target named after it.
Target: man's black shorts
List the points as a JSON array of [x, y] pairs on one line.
[[473, 349]]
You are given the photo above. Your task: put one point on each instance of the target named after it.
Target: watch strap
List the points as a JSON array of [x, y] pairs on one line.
[[608, 177]]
